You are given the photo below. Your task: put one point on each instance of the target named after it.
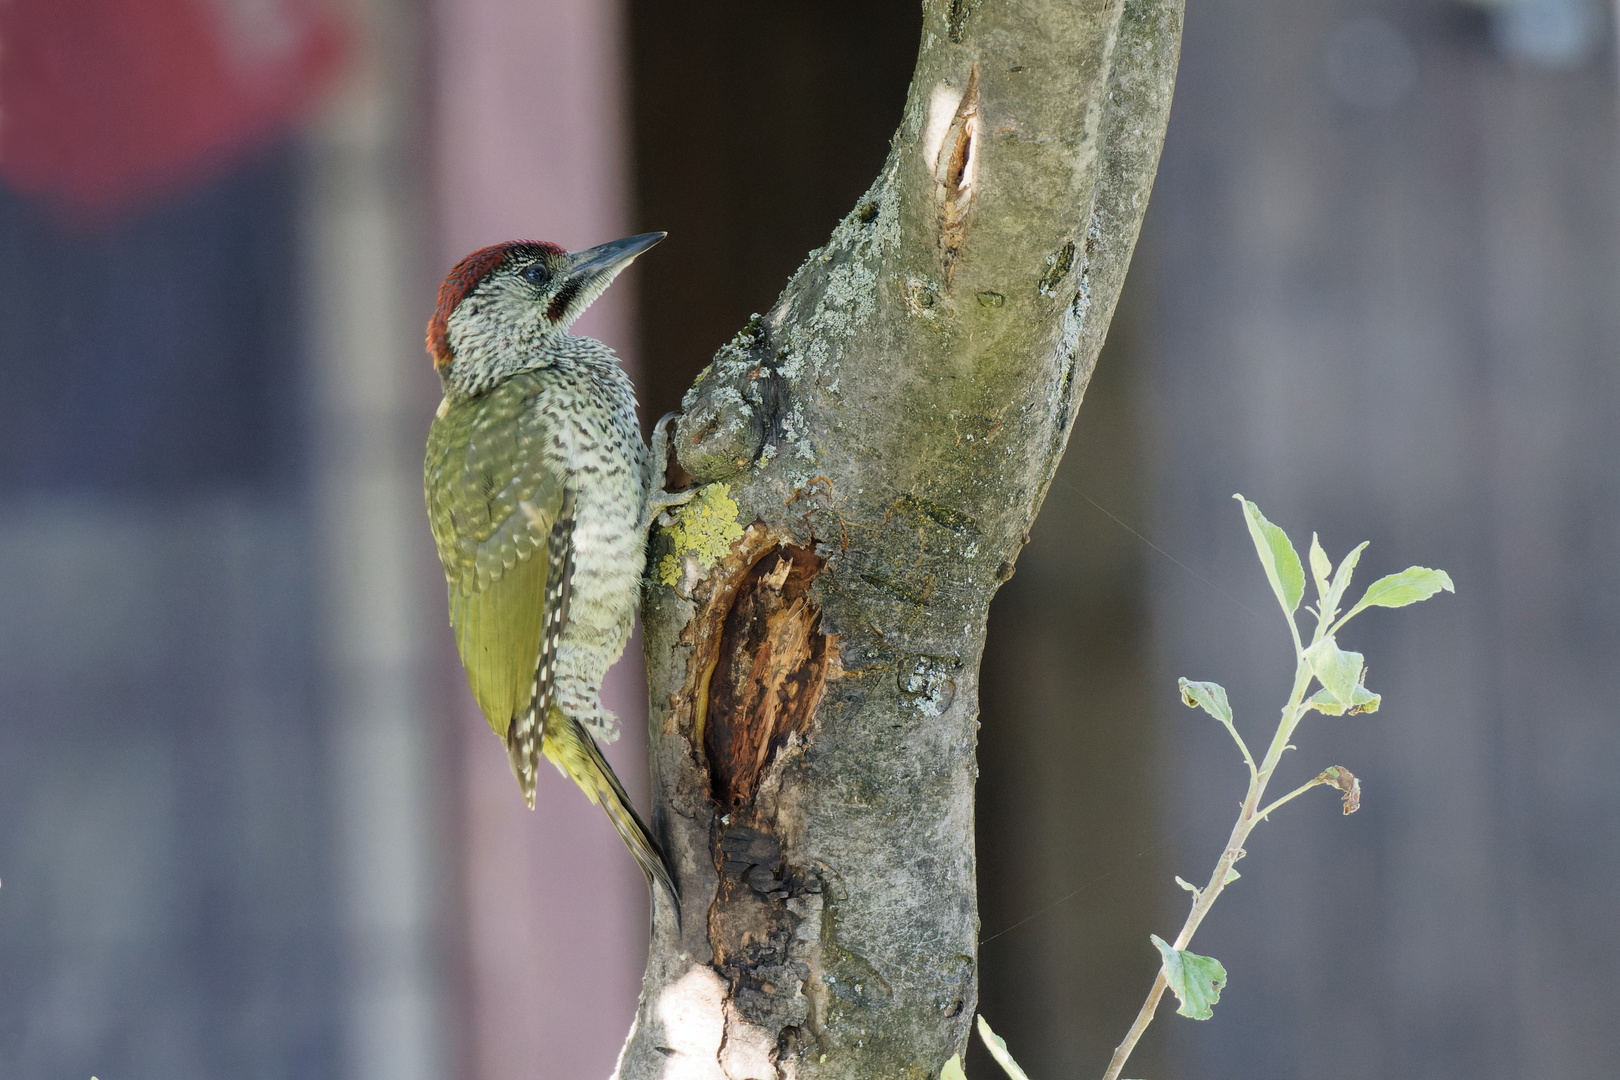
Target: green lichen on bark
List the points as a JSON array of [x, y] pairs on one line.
[[703, 531]]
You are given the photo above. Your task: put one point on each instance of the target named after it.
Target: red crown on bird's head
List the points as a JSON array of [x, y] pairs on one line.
[[463, 279]]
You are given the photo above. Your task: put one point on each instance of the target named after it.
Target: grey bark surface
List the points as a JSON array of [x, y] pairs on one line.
[[887, 431]]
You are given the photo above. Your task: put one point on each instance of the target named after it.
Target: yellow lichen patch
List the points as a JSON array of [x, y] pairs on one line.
[[704, 529]]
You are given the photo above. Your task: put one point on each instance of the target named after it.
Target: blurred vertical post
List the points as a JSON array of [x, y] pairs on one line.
[[362, 242], [1067, 812], [530, 142]]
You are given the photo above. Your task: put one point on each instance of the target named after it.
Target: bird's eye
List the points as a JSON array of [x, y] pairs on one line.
[[537, 274]]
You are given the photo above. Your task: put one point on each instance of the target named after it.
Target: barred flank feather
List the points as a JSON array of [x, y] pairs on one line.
[[523, 739], [523, 752], [559, 591]]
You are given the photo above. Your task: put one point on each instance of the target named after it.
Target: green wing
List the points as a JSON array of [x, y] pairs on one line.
[[492, 502]]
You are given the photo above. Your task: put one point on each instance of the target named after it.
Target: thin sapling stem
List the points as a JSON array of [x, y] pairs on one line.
[[1197, 980]]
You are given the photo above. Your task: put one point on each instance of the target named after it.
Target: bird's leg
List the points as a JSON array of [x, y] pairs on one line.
[[658, 499]]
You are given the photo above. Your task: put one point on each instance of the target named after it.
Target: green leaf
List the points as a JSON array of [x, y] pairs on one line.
[[998, 1050], [1341, 578], [1211, 697], [1338, 671], [1277, 555], [1324, 702], [1231, 875], [1321, 570], [1341, 675], [1189, 886], [1361, 700], [953, 1069], [1407, 587], [1196, 980]]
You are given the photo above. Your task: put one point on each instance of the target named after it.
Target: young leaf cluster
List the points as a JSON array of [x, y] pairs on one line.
[[1328, 680], [1338, 678]]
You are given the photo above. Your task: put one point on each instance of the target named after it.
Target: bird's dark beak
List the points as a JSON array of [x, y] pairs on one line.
[[606, 260], [591, 271]]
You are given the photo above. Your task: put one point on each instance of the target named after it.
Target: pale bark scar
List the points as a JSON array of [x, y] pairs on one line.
[[956, 165]]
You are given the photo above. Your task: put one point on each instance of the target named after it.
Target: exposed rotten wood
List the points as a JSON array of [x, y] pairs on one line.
[[769, 670]]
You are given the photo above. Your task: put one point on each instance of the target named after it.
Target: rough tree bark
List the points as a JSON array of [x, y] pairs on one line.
[[878, 445]]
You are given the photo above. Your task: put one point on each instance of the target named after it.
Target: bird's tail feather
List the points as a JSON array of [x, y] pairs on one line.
[[571, 747]]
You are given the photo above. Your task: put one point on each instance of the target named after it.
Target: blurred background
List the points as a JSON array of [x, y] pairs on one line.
[[250, 824]]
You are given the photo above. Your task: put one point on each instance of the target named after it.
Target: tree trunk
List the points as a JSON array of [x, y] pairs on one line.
[[880, 442]]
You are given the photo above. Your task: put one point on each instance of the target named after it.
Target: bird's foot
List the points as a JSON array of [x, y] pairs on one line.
[[661, 500], [658, 499]]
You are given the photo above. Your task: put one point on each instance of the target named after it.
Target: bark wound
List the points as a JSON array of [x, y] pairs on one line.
[[954, 171], [769, 672], [761, 685]]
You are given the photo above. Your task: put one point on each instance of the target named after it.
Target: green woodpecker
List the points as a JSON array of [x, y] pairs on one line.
[[539, 491]]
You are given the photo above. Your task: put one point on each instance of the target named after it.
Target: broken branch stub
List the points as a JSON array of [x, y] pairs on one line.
[[886, 431]]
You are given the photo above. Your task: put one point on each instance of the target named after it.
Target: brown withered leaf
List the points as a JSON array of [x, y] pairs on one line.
[[1345, 780]]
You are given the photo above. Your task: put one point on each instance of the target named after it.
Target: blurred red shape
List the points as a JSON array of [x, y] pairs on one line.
[[109, 106]]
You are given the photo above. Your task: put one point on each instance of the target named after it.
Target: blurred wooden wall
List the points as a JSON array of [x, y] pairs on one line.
[[757, 126], [1383, 265], [1071, 862], [166, 842]]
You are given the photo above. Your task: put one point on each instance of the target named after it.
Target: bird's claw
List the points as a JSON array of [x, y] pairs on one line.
[[658, 499]]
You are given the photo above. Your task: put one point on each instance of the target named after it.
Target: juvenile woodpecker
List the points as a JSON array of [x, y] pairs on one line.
[[539, 491]]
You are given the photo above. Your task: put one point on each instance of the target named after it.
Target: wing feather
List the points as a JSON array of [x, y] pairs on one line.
[[493, 500], [498, 634]]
